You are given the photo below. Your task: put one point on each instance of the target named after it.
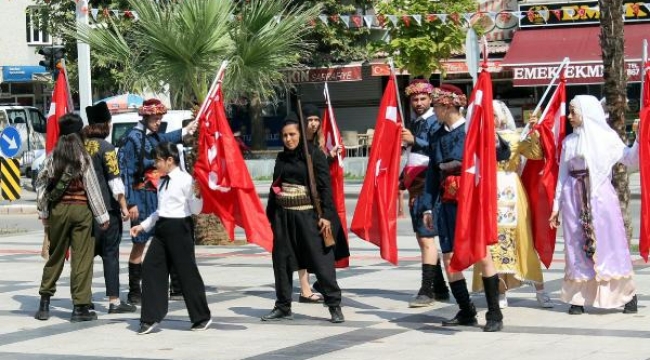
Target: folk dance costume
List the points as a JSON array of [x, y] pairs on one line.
[[442, 182], [598, 267], [107, 242], [514, 255], [297, 242], [68, 197], [414, 173], [140, 178]]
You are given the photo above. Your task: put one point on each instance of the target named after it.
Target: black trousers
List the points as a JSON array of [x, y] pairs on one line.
[[172, 245], [298, 245], [107, 245]]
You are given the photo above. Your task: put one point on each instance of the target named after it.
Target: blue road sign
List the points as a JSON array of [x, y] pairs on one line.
[[10, 142]]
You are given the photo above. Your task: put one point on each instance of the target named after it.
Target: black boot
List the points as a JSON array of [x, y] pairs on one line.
[[631, 306], [467, 314], [43, 312], [425, 295], [494, 317], [135, 275], [440, 289], [82, 313]]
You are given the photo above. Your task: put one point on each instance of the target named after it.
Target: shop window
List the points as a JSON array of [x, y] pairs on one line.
[[37, 22], [22, 89]]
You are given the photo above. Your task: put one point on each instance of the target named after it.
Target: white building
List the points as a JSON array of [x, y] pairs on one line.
[[22, 34]]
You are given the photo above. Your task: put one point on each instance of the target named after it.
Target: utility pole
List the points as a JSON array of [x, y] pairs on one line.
[[83, 62]]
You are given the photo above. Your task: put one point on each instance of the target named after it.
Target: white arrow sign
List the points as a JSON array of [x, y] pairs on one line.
[[11, 141]]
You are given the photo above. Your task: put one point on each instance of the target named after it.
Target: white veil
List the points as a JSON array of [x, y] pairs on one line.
[[598, 143], [505, 121]]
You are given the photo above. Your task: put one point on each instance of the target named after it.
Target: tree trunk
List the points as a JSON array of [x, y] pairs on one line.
[[612, 44], [258, 141]]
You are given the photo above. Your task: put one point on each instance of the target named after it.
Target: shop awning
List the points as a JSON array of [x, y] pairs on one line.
[[535, 54]]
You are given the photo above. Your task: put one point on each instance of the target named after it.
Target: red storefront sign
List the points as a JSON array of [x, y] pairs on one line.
[[450, 67], [309, 75], [540, 75]]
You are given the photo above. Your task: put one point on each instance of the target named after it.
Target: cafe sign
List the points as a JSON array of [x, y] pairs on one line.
[[577, 13], [579, 73], [333, 74]]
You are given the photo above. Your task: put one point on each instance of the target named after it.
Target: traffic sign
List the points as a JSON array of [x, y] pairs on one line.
[[10, 141], [9, 179]]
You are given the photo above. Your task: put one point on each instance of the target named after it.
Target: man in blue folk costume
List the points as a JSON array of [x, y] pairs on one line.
[[141, 182]]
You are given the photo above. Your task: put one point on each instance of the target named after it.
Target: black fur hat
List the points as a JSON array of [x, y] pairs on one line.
[[70, 124], [310, 110], [98, 113]]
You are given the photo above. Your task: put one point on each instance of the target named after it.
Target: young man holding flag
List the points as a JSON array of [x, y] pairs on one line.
[[416, 138], [443, 194]]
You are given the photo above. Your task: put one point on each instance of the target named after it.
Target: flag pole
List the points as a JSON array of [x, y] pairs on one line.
[[216, 83], [644, 61], [564, 63], [399, 98], [330, 112], [67, 84]]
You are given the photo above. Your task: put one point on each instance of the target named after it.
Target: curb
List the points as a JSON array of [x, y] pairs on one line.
[[18, 209]]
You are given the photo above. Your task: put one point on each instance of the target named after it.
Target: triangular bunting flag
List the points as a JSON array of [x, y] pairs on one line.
[[431, 17], [467, 17], [647, 6], [393, 19], [558, 14], [406, 19], [493, 16], [571, 12], [346, 20], [116, 13], [277, 19], [544, 14], [335, 18], [418, 19], [369, 20], [323, 18], [357, 20], [94, 12], [442, 17], [520, 15]]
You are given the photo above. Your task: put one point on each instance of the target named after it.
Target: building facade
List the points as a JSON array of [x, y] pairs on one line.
[[23, 31]]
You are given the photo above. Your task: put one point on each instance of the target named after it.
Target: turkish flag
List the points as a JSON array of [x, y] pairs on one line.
[[332, 137], [375, 217], [226, 186], [476, 222], [59, 107], [539, 177], [644, 163]]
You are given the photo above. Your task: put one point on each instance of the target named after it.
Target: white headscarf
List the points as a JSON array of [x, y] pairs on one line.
[[505, 121], [597, 143]]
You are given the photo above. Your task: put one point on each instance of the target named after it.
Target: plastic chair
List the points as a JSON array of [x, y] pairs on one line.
[[351, 142]]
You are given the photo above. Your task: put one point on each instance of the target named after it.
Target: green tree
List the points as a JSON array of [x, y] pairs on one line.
[[612, 44], [336, 42], [421, 48]]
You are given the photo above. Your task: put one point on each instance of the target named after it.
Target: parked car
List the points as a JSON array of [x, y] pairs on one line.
[[30, 123]]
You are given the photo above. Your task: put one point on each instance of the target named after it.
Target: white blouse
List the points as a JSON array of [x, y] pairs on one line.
[[176, 198]]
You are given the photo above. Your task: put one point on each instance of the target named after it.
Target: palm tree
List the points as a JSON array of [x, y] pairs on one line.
[[181, 44], [612, 44]]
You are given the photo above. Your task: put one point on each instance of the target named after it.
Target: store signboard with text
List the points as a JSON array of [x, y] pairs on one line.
[[577, 13]]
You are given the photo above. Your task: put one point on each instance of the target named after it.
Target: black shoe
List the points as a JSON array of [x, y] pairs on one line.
[[201, 325], [337, 315], [82, 313], [146, 328], [461, 319], [493, 326], [631, 307], [441, 296], [91, 306], [421, 300], [43, 312], [121, 308], [178, 296], [311, 299], [277, 314], [576, 310]]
